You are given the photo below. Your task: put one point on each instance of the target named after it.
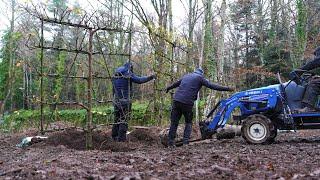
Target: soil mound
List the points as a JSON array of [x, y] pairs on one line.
[[149, 136], [102, 140]]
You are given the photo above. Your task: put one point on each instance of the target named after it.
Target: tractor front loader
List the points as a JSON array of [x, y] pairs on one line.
[[264, 110]]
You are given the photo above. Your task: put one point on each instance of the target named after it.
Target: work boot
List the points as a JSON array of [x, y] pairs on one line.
[[171, 143], [172, 146], [122, 133], [187, 133], [115, 132], [172, 134], [115, 139]]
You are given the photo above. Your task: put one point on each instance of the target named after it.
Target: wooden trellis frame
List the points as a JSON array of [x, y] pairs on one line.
[[92, 30], [89, 78]]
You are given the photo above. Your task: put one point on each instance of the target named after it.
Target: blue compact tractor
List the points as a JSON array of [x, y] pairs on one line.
[[265, 110]]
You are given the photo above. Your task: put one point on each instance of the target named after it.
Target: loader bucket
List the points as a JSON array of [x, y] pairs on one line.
[[206, 133]]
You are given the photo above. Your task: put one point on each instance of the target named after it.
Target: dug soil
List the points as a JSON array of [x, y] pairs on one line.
[[63, 156]]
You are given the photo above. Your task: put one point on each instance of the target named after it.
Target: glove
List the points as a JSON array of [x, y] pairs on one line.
[[154, 76], [297, 72], [294, 76]]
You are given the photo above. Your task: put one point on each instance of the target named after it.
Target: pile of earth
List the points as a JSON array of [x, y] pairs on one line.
[[101, 139], [138, 137]]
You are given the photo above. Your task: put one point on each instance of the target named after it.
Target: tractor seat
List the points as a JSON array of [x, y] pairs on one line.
[[294, 94]]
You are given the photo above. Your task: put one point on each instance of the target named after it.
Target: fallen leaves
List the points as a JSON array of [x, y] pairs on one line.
[[293, 156]]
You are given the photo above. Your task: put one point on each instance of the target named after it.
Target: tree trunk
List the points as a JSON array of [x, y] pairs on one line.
[[220, 52], [209, 63], [259, 31], [11, 71], [161, 7], [301, 32], [190, 53]]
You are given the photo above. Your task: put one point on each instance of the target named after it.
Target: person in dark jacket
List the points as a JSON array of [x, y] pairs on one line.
[[187, 92], [313, 87], [122, 90]]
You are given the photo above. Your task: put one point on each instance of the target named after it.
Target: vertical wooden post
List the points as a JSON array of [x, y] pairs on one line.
[[41, 80], [129, 84], [89, 92], [172, 69]]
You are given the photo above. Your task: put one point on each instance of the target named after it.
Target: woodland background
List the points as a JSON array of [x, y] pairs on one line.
[[238, 43]]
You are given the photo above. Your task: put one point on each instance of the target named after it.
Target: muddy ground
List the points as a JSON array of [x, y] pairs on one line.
[[62, 156]]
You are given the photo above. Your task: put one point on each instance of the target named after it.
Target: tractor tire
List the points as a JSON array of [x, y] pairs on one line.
[[258, 129]]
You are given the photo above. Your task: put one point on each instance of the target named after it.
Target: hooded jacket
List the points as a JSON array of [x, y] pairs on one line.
[[122, 81], [189, 86]]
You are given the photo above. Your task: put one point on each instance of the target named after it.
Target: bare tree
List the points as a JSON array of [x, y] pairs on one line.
[[195, 11]]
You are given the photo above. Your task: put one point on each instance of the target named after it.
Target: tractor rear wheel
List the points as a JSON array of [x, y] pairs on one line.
[[257, 129]]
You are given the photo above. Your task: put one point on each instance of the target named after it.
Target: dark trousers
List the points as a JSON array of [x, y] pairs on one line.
[[121, 117], [179, 109], [312, 91]]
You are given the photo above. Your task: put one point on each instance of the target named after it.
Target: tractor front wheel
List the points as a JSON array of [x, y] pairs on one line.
[[257, 129]]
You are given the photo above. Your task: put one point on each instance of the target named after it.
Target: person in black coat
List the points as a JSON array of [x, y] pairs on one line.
[[122, 90], [187, 92], [313, 88]]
